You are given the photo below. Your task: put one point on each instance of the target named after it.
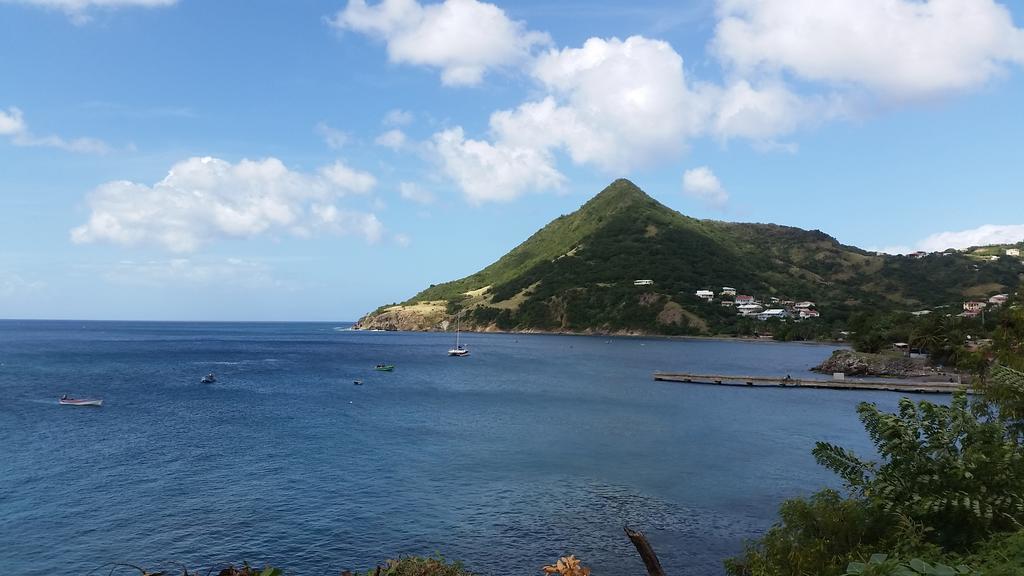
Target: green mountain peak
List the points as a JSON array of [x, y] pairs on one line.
[[580, 273]]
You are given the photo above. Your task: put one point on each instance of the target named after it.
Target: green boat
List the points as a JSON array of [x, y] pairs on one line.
[[384, 367]]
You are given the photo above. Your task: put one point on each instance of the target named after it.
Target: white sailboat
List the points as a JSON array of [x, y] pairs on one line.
[[459, 349]]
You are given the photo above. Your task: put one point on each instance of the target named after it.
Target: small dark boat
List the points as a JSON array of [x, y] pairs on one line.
[[384, 367], [357, 382], [208, 379]]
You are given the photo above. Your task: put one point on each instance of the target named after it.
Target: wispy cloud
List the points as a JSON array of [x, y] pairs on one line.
[[398, 117], [333, 137], [80, 10], [961, 239], [12, 284], [13, 125], [394, 139], [416, 193], [233, 273]]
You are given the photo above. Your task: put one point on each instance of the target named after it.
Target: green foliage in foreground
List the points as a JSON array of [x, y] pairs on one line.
[[942, 467], [420, 566], [407, 566], [881, 565], [947, 497]]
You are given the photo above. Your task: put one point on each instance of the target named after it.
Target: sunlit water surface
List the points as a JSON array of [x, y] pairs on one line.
[[533, 447]]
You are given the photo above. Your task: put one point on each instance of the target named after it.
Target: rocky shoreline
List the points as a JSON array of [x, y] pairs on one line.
[[883, 365], [396, 323]]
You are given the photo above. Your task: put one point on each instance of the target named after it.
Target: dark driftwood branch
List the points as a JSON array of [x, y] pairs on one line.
[[643, 547]]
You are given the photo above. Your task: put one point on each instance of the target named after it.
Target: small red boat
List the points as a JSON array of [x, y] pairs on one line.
[[68, 401]]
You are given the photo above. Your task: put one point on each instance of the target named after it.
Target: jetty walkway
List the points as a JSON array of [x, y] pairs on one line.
[[837, 382]]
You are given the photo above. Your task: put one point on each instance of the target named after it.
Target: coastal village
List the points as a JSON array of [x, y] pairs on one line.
[[750, 307], [774, 308]]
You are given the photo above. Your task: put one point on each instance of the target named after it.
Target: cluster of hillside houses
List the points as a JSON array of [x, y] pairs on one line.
[[1011, 252], [974, 308], [748, 306]]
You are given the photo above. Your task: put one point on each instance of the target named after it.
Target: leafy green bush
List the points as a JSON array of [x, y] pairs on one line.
[[1003, 555], [881, 565], [819, 535], [942, 466], [420, 566]]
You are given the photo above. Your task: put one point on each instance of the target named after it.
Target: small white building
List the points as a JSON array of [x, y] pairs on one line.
[[749, 309], [727, 291], [804, 305], [707, 295], [999, 299], [744, 299], [922, 313], [774, 313], [1013, 252], [643, 282], [974, 307], [727, 303], [809, 313]]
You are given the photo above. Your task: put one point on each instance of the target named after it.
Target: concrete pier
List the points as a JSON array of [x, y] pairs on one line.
[[835, 383]]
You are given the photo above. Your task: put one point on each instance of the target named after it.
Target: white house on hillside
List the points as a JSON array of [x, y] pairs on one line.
[[750, 309], [727, 291], [643, 282], [972, 309], [999, 299], [706, 295], [774, 313], [1013, 252], [804, 305]]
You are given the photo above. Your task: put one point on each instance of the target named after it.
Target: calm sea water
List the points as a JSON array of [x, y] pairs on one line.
[[533, 447]]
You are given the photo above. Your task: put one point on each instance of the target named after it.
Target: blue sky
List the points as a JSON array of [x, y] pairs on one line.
[[232, 160]]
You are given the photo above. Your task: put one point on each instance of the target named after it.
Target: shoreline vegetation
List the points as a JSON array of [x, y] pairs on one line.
[[767, 338], [412, 566]]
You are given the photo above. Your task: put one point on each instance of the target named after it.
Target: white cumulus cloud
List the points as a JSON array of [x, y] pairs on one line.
[[464, 38], [201, 199], [762, 113], [494, 172], [788, 65], [896, 48], [702, 184], [612, 104], [13, 125]]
